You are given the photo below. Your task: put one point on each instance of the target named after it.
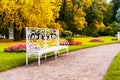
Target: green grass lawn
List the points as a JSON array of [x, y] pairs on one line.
[[87, 44], [10, 60], [113, 72]]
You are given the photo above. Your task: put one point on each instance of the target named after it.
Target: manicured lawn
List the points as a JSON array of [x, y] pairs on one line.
[[113, 72], [87, 44], [10, 60]]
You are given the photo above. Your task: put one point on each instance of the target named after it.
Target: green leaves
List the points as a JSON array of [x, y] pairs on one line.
[[118, 15]]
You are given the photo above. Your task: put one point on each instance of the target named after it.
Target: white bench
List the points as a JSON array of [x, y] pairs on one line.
[[41, 41]]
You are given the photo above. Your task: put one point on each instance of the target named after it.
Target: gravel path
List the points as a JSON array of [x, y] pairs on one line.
[[85, 64]]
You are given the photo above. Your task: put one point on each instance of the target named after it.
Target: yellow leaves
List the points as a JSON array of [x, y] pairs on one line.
[[38, 13], [87, 2], [103, 9], [82, 3], [99, 25], [69, 4], [100, 2], [80, 12], [79, 18], [57, 26], [80, 22], [76, 7]]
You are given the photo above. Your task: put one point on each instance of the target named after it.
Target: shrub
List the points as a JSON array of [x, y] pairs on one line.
[[101, 31], [69, 39], [96, 40], [118, 29], [115, 26], [95, 34], [114, 39], [67, 34], [16, 48], [87, 31], [109, 31]]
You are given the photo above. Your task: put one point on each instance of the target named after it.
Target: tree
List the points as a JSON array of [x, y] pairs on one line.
[[17, 14], [109, 14], [118, 15], [95, 15], [116, 7], [12, 17], [73, 15]]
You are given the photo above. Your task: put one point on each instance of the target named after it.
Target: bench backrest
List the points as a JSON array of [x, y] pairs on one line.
[[39, 38]]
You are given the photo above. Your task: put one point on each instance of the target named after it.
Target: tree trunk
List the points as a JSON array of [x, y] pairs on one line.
[[22, 34], [16, 34], [7, 33], [62, 11]]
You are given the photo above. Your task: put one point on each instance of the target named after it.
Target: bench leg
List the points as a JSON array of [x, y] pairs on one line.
[[67, 51], [39, 59], [45, 56], [26, 59], [58, 52], [55, 54]]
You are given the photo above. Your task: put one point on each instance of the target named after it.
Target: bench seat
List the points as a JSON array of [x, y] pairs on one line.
[[39, 52]]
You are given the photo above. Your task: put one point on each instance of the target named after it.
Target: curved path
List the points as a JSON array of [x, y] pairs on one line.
[[85, 64]]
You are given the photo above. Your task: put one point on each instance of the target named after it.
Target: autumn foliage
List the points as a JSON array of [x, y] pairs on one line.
[[83, 17]]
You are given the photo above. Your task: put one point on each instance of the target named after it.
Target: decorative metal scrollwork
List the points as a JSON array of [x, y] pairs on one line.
[[41, 37], [37, 34], [41, 34]]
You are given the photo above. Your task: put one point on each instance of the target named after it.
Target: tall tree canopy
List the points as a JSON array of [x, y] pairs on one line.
[[77, 16], [18, 14], [73, 15], [118, 15], [116, 6]]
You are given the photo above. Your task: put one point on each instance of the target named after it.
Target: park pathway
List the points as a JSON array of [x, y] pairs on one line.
[[85, 64]]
